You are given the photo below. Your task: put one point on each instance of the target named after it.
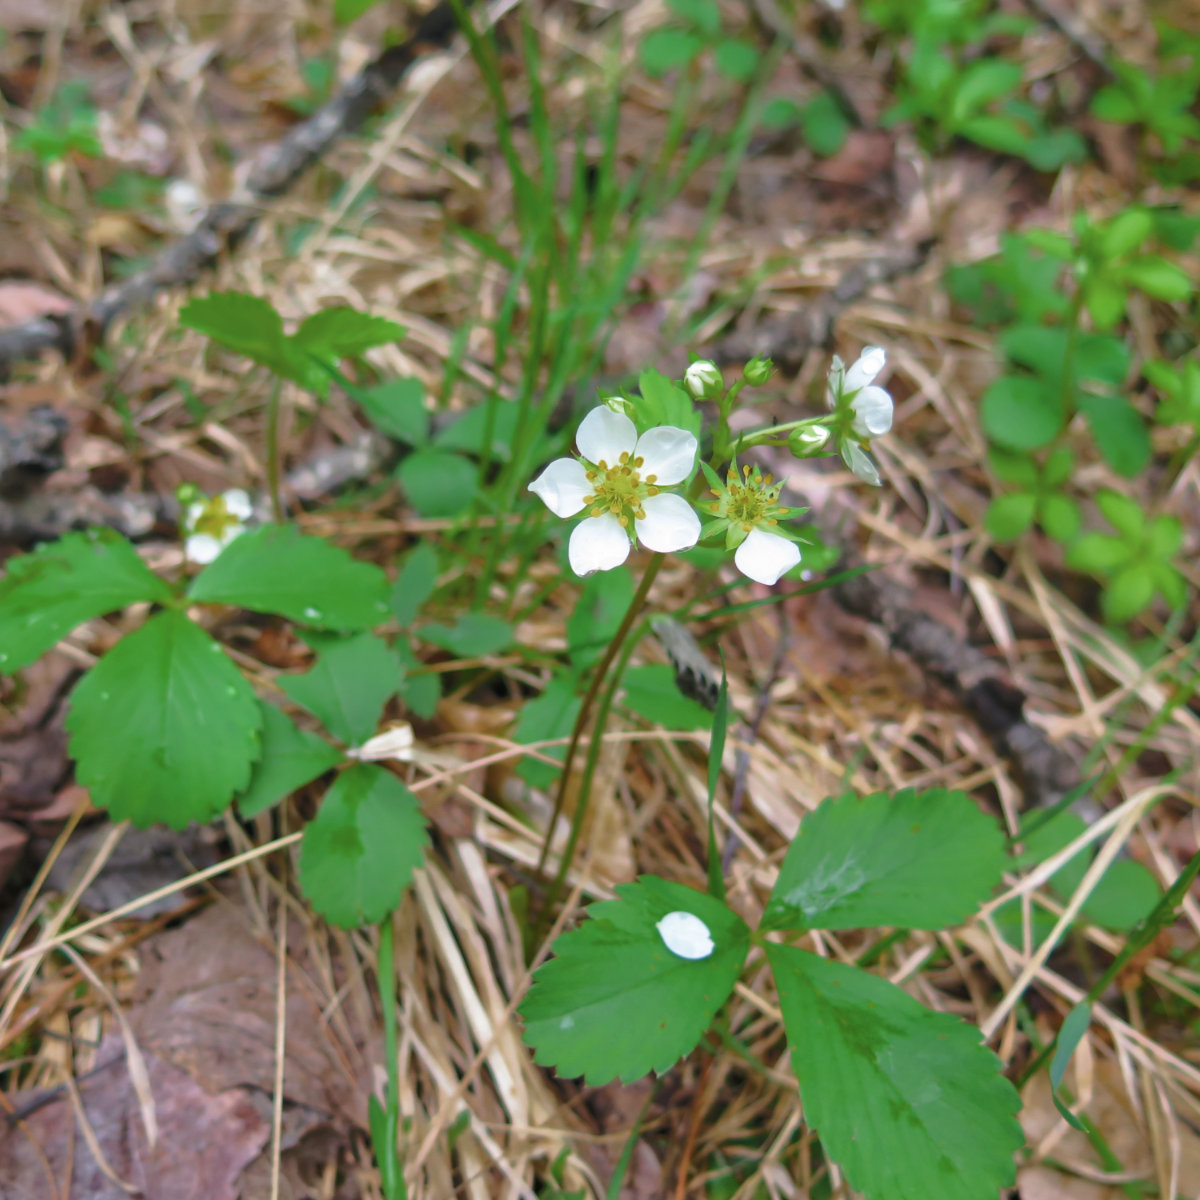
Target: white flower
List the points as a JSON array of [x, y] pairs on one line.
[[210, 525], [684, 934], [703, 380], [395, 743], [871, 406], [808, 437], [764, 556], [622, 491]]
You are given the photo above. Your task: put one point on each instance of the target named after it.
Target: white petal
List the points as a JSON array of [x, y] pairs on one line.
[[193, 513], [859, 461], [395, 743], [684, 934], [670, 454], [605, 435], [837, 374], [563, 485], [202, 548], [870, 363], [670, 524], [872, 412], [238, 504], [764, 557], [598, 544]]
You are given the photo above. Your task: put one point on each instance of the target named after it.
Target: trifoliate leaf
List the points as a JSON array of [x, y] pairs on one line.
[[472, 635], [291, 757], [397, 408], [352, 680], [1022, 412], [437, 483], [344, 332], [164, 727], [860, 861], [551, 715], [61, 584], [359, 851], [907, 1101], [276, 569], [662, 403], [240, 322], [652, 693], [415, 583], [615, 1002]]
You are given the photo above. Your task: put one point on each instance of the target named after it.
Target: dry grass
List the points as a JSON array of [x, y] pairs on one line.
[[379, 215]]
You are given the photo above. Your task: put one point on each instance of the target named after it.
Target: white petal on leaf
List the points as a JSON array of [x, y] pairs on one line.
[[764, 556], [669, 453], [605, 435], [684, 934], [562, 486], [872, 412], [869, 363], [670, 524], [598, 544]]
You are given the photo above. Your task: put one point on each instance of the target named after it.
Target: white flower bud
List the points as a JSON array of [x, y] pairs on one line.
[[703, 380]]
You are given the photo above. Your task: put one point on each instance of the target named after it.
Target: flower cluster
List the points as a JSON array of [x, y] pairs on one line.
[[621, 482]]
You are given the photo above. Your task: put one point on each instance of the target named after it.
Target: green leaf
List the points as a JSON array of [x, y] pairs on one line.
[[1060, 462], [1059, 516], [664, 50], [242, 323], [1120, 432], [1013, 467], [276, 569], [1073, 1030], [1048, 151], [415, 583], [1009, 516], [996, 133], [1097, 553], [345, 11], [704, 15], [551, 715], [1105, 300], [908, 1101], [1101, 357], [1125, 894], [825, 125], [860, 861], [332, 334], [420, 690], [473, 635], [347, 687], [781, 113], [1158, 278], [1125, 233], [662, 403], [598, 613], [164, 727], [469, 433], [397, 408], [1021, 412], [982, 82], [61, 584], [652, 693], [1164, 537], [1130, 591], [438, 484], [614, 1002], [1112, 103], [736, 60], [291, 757], [1124, 514], [359, 851]]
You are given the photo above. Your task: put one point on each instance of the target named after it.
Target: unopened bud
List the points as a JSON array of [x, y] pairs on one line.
[[758, 371], [807, 440], [703, 380]]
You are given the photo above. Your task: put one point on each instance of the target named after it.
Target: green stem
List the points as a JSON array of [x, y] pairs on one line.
[[589, 698], [388, 1161], [273, 455]]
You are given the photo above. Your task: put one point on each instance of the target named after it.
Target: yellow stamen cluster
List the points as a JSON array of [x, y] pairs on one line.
[[215, 519], [748, 501], [620, 489]]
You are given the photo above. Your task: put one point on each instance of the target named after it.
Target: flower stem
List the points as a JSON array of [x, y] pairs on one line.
[[273, 456], [589, 699]]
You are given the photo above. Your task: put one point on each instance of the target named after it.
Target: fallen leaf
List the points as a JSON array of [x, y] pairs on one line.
[[22, 300]]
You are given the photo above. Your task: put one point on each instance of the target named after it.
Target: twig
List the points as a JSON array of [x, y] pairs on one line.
[[226, 223]]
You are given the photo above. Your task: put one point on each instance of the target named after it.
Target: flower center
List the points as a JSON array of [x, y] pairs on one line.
[[620, 490], [216, 518], [749, 501]]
